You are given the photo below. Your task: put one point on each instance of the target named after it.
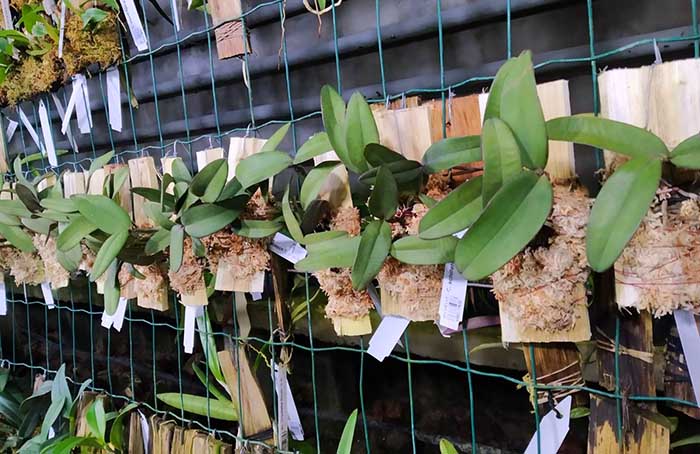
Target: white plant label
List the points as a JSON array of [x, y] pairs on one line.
[[61, 29], [176, 14], [7, 15], [70, 107], [30, 129], [48, 296], [452, 297], [386, 336], [135, 26], [145, 433], [82, 104], [118, 317], [47, 134], [191, 314], [106, 320], [256, 296], [62, 113], [11, 128], [284, 391], [3, 299], [282, 408], [690, 340], [287, 248], [553, 429], [114, 102]]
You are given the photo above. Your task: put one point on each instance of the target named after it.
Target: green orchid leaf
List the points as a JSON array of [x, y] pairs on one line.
[[17, 237], [455, 212], [385, 196], [70, 260], [314, 182], [180, 172], [153, 211], [261, 166], [405, 172], [96, 421], [208, 218], [111, 288], [608, 134], [449, 153], [377, 155], [209, 181], [250, 228], [231, 189], [501, 156], [508, 223], [447, 448], [158, 242], [332, 252], [493, 102], [100, 162], [687, 153], [375, 243], [333, 116], [317, 237], [177, 238], [117, 434], [28, 197], [618, 210], [107, 253], [360, 130], [38, 225], [104, 213], [223, 410], [315, 146], [14, 208], [417, 251], [290, 219], [345, 444], [275, 139], [62, 205], [71, 236]]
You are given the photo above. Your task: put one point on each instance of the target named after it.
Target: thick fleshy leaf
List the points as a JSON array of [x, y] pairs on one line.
[[452, 152], [275, 139], [520, 108], [261, 166], [333, 115], [108, 252], [153, 211], [181, 173], [210, 175], [385, 195], [314, 181], [378, 155], [618, 210], [157, 242], [501, 156], [199, 405], [231, 189], [417, 251], [290, 219], [28, 197], [71, 236], [611, 135], [70, 260], [208, 218], [14, 208], [346, 439], [373, 249], [104, 213], [687, 153], [510, 220], [404, 172], [62, 205], [339, 252], [258, 229], [100, 162], [455, 212], [111, 288], [360, 130], [38, 225], [177, 238], [493, 102], [318, 237], [315, 146], [17, 237]]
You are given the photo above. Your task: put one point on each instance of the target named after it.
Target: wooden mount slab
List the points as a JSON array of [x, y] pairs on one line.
[[204, 157], [556, 363], [676, 379], [198, 298], [230, 37], [336, 189], [407, 131], [142, 172], [74, 183], [352, 327]]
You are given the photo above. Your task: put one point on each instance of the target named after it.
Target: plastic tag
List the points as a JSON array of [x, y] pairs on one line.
[[145, 433], [114, 102], [191, 314], [118, 317], [70, 107], [284, 394], [134, 22], [3, 299], [386, 336], [690, 340], [7, 15], [11, 128], [62, 113], [82, 103], [553, 429], [47, 134], [30, 129], [48, 296], [452, 297], [287, 248], [61, 29], [256, 296], [282, 409], [176, 14]]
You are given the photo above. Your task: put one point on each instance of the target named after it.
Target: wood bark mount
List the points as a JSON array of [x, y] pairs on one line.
[[142, 172], [230, 37], [136, 435], [676, 379]]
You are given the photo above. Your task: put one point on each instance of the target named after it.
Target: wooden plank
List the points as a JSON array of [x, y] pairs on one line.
[[557, 363], [135, 434], [407, 131], [240, 148], [230, 36], [143, 174], [463, 117], [74, 183], [204, 157], [676, 379], [513, 331], [554, 98]]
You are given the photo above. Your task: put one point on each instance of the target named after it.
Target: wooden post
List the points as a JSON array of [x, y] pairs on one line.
[[142, 172], [135, 434], [230, 38]]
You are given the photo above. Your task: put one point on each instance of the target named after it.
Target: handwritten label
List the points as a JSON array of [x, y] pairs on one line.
[[287, 248], [3, 299], [114, 102], [82, 104], [191, 314], [135, 26], [48, 296], [30, 129], [46, 133], [690, 340], [386, 336], [553, 429], [11, 128]]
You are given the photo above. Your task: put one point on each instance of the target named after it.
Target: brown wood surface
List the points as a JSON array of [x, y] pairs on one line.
[[676, 379], [230, 39]]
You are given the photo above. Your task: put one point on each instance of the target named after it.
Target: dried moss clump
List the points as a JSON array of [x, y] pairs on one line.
[[85, 47], [32, 76], [189, 278], [336, 283], [25, 267], [541, 287], [659, 271], [55, 273], [244, 256]]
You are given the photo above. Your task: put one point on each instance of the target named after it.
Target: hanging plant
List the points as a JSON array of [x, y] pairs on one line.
[[91, 35]]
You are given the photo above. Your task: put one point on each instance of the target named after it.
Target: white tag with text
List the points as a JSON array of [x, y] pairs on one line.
[[282, 408], [135, 26], [114, 101], [386, 336], [47, 134], [287, 248], [452, 297], [690, 340], [48, 296], [553, 429]]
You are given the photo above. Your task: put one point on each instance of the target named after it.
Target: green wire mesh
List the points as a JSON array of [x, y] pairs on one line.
[[19, 302]]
